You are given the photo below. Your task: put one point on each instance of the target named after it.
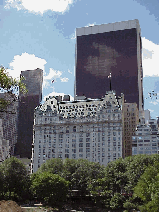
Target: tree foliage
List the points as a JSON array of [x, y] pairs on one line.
[[16, 180], [51, 189], [53, 165], [78, 172], [147, 189], [8, 84]]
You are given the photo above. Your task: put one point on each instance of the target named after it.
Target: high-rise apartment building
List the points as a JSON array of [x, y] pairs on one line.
[[9, 117], [27, 104], [90, 129], [146, 138], [110, 48], [131, 120]]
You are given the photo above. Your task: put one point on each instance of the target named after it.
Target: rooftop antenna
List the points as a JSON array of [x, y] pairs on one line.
[[110, 76]]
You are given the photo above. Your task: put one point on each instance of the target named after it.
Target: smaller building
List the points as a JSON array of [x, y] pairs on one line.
[[4, 145], [131, 119], [146, 138], [9, 117], [147, 116]]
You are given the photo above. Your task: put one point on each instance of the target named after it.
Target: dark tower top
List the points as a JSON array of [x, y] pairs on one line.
[[110, 48]]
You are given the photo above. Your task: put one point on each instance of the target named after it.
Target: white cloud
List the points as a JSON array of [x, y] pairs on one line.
[[65, 79], [57, 94], [53, 75], [154, 102], [39, 6], [25, 62], [73, 36], [150, 52], [69, 71], [151, 110], [88, 25]]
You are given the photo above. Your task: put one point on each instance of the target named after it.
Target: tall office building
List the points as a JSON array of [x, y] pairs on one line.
[[27, 104], [110, 48]]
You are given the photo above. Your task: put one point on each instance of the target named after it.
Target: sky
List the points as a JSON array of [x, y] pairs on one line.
[[41, 34]]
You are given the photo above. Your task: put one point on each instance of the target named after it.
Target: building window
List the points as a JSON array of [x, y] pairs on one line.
[[87, 144], [81, 145], [87, 149], [74, 150], [87, 134], [87, 139], [80, 139], [74, 129], [66, 150], [74, 145], [80, 149], [73, 155], [81, 135], [67, 129], [66, 155]]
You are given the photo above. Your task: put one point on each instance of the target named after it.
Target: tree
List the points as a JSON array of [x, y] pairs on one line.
[[51, 189], [84, 173], [53, 165], [16, 178], [115, 173], [8, 84], [147, 189], [117, 201], [135, 167]]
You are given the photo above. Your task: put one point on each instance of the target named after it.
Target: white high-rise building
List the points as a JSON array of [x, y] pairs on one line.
[[90, 129]]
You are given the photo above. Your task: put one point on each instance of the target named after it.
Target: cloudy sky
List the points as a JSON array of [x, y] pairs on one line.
[[41, 34]]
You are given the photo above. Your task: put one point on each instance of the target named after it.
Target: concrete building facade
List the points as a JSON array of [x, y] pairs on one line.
[[90, 128], [146, 138], [131, 120], [4, 145], [9, 117]]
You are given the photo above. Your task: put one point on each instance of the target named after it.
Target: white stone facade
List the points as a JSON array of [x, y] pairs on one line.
[[89, 129]]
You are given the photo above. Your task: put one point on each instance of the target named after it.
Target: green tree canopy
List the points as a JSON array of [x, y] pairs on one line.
[[16, 179], [147, 189], [8, 83], [51, 189], [53, 165]]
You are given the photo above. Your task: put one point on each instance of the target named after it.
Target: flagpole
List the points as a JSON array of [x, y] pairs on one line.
[[110, 75]]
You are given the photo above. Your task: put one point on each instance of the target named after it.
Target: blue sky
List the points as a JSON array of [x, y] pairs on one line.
[[41, 34]]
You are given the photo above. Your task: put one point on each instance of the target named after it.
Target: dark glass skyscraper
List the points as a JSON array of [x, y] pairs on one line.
[[27, 104], [110, 48]]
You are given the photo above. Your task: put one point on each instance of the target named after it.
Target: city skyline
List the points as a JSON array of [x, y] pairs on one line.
[[43, 37]]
